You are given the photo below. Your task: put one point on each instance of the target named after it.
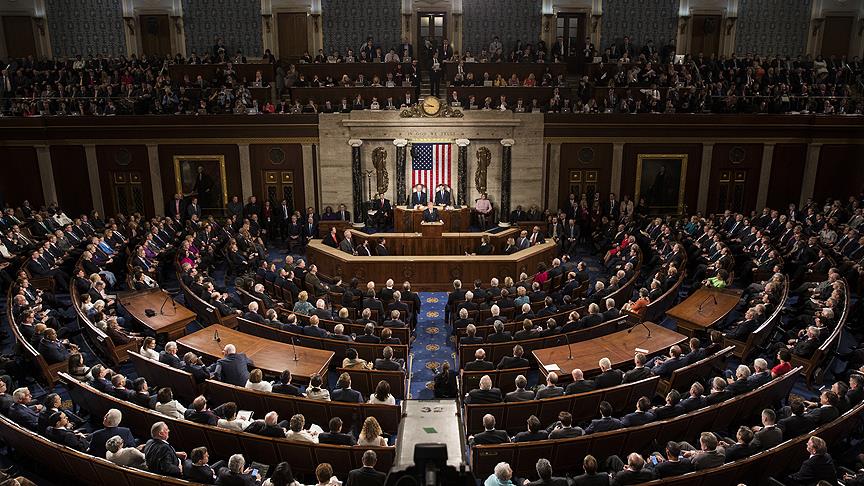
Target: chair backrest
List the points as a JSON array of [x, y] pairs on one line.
[[156, 373]]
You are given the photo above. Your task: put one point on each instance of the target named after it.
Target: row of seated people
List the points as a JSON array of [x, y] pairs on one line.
[[715, 448], [120, 446]]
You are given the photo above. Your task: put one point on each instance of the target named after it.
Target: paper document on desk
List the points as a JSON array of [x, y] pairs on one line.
[[552, 367]]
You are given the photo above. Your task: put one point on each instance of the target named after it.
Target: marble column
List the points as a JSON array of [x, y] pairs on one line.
[[245, 171], [401, 159], [811, 168], [356, 179], [704, 176], [462, 171], [553, 177], [155, 178], [617, 164], [765, 175], [308, 180], [46, 173], [93, 177], [506, 177]]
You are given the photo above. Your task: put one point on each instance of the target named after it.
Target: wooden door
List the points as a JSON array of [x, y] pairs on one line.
[[155, 34], [705, 35], [292, 32], [20, 39], [279, 185], [571, 28], [127, 193], [837, 36], [431, 26], [731, 184]]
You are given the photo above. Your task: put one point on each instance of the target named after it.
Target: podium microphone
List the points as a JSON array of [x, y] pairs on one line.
[[293, 347], [216, 336], [569, 348]]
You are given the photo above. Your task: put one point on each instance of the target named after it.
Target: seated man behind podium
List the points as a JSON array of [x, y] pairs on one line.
[[419, 197], [443, 197], [430, 214]]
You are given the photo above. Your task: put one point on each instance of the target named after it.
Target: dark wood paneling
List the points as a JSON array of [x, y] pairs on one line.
[[293, 161], [694, 166], [18, 31], [106, 155], [21, 178], [71, 178], [840, 172], [601, 162], [232, 165], [721, 160], [705, 38], [837, 35], [787, 171]]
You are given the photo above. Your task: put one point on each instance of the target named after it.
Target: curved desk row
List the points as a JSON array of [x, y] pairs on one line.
[[434, 272]]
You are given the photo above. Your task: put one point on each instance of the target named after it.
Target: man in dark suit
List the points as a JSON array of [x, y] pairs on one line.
[[515, 361], [430, 214], [642, 415], [520, 394], [608, 377], [490, 434], [233, 368], [606, 422], [111, 427], [826, 410], [384, 211], [419, 197], [591, 476], [671, 408], [284, 386], [371, 303], [368, 335], [456, 295], [196, 468], [695, 400], [579, 384], [335, 436], [551, 389], [269, 427], [445, 382], [665, 367], [479, 363], [176, 208], [387, 363], [313, 330], [634, 472], [671, 465], [236, 473], [639, 372], [769, 435], [169, 355], [795, 424], [343, 391], [817, 467], [499, 335], [160, 455], [366, 475], [484, 394], [193, 209], [443, 197], [533, 433], [470, 336], [394, 320], [536, 237]]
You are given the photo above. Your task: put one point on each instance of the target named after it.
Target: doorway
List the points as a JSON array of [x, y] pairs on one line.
[[155, 34], [293, 35], [127, 193], [705, 35], [571, 28], [731, 184], [432, 30], [20, 39], [837, 35]]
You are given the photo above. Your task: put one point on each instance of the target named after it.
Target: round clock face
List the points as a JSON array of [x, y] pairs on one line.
[[431, 105]]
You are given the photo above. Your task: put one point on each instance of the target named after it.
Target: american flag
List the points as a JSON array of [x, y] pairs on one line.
[[430, 164]]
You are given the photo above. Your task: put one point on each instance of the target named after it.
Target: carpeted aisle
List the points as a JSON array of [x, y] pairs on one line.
[[432, 345]]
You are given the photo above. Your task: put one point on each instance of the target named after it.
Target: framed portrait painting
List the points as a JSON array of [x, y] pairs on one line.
[[660, 179], [202, 176]]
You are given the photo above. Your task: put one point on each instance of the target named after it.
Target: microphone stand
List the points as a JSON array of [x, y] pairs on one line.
[[294, 348], [638, 322], [216, 336], [702, 304], [173, 304], [569, 348]]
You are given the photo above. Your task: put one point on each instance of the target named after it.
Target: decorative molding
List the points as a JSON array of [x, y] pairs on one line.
[[400, 142], [416, 111], [508, 142], [354, 142], [462, 142], [130, 24]]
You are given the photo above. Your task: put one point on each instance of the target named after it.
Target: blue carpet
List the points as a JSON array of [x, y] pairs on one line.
[[431, 347]]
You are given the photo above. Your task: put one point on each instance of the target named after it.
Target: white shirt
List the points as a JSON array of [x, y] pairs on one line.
[[264, 386], [149, 353]]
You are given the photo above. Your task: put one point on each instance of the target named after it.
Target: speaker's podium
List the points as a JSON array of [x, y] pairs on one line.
[[429, 450], [432, 230]]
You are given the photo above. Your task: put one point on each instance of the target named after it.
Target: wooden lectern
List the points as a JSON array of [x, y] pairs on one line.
[[432, 230]]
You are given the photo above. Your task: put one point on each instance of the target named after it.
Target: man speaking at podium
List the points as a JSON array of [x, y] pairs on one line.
[[430, 214]]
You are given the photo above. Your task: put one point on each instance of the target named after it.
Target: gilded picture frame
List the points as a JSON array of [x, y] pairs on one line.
[[213, 191], [661, 180]]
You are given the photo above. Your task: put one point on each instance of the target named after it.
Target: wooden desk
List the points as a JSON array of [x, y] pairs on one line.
[[270, 356], [505, 69], [428, 272], [210, 71], [619, 347], [407, 220], [699, 312], [415, 244], [325, 225], [170, 322], [352, 69]]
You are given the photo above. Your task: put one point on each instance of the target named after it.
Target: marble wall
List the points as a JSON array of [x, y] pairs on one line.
[[481, 128]]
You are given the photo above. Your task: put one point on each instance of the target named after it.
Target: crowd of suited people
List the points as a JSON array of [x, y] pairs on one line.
[[789, 234]]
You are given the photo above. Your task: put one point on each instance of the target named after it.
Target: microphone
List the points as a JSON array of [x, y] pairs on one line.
[[294, 348], [702, 304], [569, 348], [216, 336]]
